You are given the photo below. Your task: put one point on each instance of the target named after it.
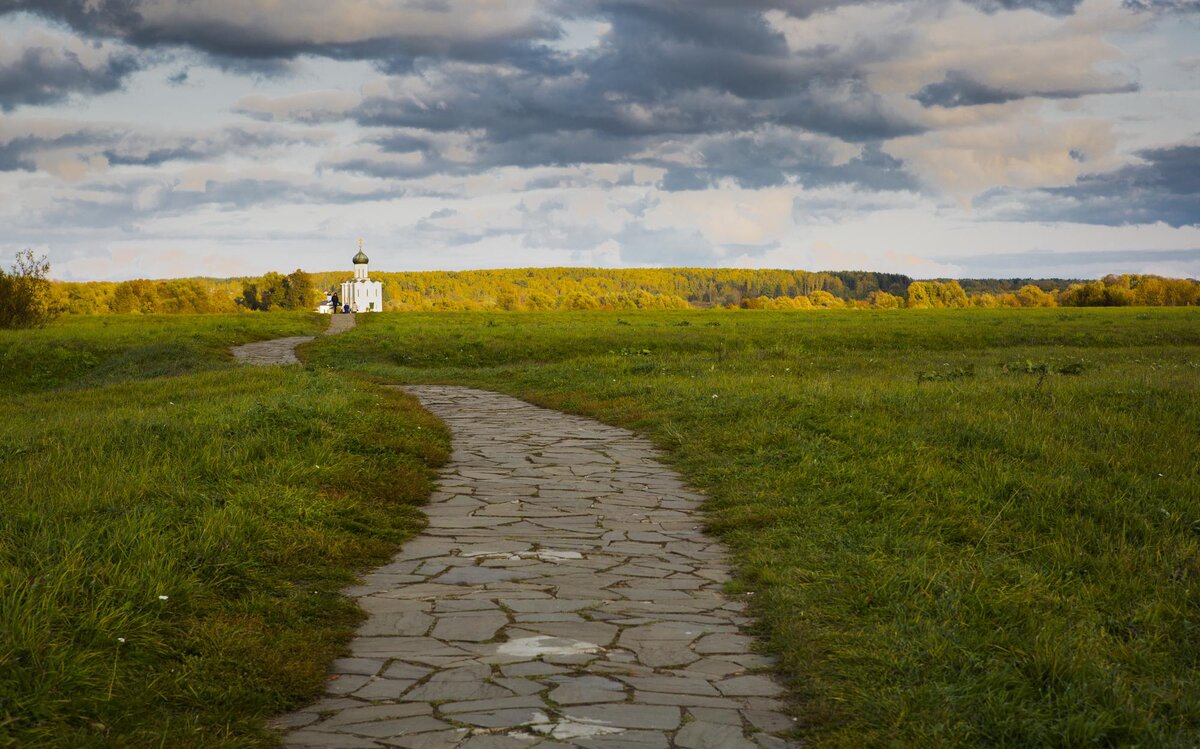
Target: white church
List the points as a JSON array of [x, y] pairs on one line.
[[360, 294]]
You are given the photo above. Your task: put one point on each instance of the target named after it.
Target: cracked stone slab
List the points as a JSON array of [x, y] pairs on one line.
[[563, 595], [473, 626], [702, 735]]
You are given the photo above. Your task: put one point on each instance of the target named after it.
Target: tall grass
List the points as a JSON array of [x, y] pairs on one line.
[[171, 549], [961, 529]]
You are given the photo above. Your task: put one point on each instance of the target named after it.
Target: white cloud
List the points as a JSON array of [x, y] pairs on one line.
[[1016, 153], [727, 216]]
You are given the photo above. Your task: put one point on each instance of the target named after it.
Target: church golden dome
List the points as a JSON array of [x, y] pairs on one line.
[[360, 258]]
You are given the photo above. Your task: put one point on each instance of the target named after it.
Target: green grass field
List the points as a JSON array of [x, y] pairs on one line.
[[171, 547], [962, 528], [89, 351]]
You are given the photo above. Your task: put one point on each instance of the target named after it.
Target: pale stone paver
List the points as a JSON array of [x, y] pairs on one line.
[[283, 350], [563, 595]]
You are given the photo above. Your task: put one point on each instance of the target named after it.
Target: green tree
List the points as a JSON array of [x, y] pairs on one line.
[[276, 291], [298, 291], [184, 296], [263, 295], [137, 296], [26, 294]]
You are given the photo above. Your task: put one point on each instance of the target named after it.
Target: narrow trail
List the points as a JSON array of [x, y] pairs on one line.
[[283, 350], [563, 595]]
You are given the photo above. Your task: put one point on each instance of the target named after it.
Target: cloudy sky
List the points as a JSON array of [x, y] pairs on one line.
[[158, 138]]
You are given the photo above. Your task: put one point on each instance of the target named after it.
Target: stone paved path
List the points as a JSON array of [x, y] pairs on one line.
[[562, 596], [283, 350]]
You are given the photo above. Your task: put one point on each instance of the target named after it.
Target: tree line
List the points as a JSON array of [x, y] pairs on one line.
[[187, 295], [28, 297], [626, 288], [1111, 291]]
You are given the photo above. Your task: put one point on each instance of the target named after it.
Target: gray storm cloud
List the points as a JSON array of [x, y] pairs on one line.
[[48, 67], [1164, 185], [1004, 105], [253, 31]]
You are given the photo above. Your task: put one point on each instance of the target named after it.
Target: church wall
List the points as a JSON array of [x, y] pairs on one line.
[[361, 294]]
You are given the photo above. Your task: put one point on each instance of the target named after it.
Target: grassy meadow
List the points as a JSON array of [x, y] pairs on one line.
[[960, 528], [81, 352], [171, 547]]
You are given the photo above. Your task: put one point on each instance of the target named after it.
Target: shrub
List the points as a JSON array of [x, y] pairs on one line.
[[1032, 296], [884, 300], [936, 294], [1096, 294], [823, 299], [26, 295]]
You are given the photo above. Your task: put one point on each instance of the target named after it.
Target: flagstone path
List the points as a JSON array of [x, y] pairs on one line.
[[283, 350], [563, 595]]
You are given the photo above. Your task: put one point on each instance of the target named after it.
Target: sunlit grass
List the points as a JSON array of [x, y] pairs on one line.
[[962, 528], [171, 549], [89, 351]]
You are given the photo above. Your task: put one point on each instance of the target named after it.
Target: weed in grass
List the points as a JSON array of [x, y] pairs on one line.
[[1042, 368], [946, 374]]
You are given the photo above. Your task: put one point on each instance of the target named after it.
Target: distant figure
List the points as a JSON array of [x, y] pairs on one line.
[[334, 302], [346, 308]]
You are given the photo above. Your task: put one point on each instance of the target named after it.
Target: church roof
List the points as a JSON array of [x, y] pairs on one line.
[[360, 258]]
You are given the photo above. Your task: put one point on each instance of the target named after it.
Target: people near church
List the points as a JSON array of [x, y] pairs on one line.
[[360, 294]]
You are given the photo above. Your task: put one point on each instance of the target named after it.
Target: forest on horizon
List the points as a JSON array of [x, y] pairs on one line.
[[544, 289]]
